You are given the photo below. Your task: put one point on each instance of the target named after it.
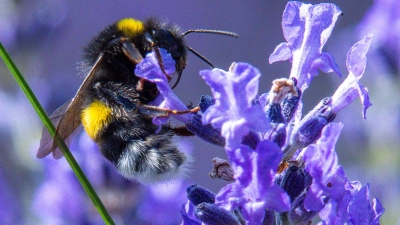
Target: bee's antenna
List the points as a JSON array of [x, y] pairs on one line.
[[200, 56], [227, 33], [177, 81]]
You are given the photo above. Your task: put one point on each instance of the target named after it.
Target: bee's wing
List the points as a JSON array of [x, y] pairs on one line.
[[67, 118], [46, 142]]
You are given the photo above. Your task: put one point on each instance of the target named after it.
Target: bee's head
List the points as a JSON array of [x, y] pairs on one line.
[[167, 36], [152, 34]]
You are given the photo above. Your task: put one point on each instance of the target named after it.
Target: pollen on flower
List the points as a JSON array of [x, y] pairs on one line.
[[280, 88]]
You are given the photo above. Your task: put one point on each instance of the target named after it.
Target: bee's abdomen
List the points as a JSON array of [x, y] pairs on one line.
[[141, 154], [153, 159], [95, 118]]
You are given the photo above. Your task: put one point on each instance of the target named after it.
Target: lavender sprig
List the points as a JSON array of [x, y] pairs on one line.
[[260, 192]]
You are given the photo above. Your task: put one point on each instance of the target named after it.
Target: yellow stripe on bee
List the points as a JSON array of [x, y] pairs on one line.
[[95, 117], [130, 27]]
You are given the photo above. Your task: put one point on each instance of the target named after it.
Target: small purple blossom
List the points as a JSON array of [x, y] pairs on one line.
[[350, 89], [149, 69], [306, 29], [254, 190], [321, 162], [234, 111]]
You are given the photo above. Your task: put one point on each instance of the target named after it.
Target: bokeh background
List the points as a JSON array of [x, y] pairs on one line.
[[46, 37]]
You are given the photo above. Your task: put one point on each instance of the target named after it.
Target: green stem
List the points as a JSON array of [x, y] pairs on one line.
[[52, 130]]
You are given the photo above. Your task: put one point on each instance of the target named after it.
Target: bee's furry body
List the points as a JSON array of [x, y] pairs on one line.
[[129, 138], [109, 100]]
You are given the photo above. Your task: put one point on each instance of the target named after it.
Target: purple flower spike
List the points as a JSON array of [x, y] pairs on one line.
[[254, 189], [234, 111], [350, 89], [150, 70], [329, 180], [306, 29]]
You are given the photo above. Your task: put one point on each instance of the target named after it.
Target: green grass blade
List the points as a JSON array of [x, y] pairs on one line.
[[61, 144]]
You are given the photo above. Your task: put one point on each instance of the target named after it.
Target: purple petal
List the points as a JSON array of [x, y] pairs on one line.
[[234, 111], [356, 59], [282, 52], [350, 89], [306, 29], [230, 197], [377, 211], [187, 213], [336, 212], [150, 70], [254, 189], [360, 210], [329, 179]]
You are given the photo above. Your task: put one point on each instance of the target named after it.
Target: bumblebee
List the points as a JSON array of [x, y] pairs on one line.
[[107, 102]]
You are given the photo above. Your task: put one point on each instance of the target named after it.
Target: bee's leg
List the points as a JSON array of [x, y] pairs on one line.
[[154, 111], [131, 51], [193, 110], [182, 131]]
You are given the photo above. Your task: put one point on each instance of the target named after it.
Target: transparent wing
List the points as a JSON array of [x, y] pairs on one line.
[[47, 140], [67, 118]]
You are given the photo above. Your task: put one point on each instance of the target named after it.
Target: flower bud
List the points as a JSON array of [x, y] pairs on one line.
[[212, 214], [197, 194]]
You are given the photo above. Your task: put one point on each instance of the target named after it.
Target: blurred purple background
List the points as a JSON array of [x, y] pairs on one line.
[[45, 38]]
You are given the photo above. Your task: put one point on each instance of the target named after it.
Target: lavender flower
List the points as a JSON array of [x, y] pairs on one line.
[[234, 111], [254, 189], [329, 180], [351, 88], [312, 182], [149, 69], [306, 29], [271, 184]]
